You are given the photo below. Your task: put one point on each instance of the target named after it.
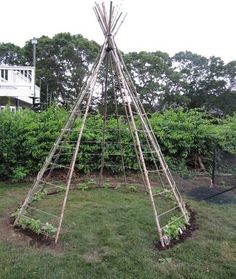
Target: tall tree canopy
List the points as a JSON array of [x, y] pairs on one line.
[[186, 79], [10, 54], [207, 83], [154, 77], [63, 62]]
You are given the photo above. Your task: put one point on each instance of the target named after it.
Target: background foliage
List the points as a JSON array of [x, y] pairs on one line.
[[185, 138], [186, 79], [191, 94]]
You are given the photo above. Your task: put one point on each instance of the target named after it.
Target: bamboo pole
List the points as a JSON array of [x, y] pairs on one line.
[[118, 123], [130, 129], [118, 28], [153, 158], [127, 95], [72, 170], [116, 13], [110, 19], [152, 138], [100, 21], [157, 149], [36, 186], [102, 15], [77, 146], [106, 19], [115, 22], [104, 121]]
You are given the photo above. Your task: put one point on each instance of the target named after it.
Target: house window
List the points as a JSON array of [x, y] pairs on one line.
[[4, 74]]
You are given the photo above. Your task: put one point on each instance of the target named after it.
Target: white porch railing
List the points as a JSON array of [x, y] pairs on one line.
[[18, 82], [17, 76]]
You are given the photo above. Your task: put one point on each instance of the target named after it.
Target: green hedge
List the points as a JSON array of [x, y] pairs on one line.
[[26, 138]]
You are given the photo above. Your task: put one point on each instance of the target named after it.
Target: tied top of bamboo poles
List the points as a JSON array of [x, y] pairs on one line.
[[110, 21]]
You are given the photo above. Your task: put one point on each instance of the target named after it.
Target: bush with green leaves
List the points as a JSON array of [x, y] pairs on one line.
[[183, 135], [224, 133], [26, 138]]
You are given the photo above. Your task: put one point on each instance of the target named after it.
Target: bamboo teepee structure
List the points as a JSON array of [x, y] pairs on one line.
[[150, 160]]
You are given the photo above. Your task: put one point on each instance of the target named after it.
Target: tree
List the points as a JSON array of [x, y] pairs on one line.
[[207, 83], [155, 79], [187, 79], [63, 62], [10, 54]]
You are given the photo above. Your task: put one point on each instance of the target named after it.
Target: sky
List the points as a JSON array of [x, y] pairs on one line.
[[205, 27]]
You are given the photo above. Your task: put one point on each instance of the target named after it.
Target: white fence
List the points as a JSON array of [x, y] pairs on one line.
[[18, 82]]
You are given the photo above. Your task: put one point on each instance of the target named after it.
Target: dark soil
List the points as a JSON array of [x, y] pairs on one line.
[[35, 239], [22, 237], [187, 233]]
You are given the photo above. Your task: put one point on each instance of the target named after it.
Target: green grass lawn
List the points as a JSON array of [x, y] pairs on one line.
[[111, 234]]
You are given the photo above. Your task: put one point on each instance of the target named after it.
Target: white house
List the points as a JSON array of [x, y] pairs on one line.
[[17, 87]]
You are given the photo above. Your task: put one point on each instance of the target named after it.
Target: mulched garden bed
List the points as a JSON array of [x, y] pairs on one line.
[[36, 239], [187, 233]]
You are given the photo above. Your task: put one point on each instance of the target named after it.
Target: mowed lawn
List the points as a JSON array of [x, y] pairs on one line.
[[111, 234]]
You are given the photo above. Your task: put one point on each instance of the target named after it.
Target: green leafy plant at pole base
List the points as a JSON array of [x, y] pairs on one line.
[[36, 226], [175, 227], [61, 189], [39, 195], [169, 195], [163, 192], [132, 188], [83, 186], [48, 229], [30, 223], [91, 181], [24, 222], [15, 213]]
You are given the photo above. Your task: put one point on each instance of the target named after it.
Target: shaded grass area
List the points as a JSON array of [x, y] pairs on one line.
[[111, 234], [214, 194]]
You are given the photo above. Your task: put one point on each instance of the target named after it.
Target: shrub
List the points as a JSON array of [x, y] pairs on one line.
[[26, 138]]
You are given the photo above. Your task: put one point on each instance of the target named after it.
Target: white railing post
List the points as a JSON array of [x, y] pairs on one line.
[[32, 85]]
